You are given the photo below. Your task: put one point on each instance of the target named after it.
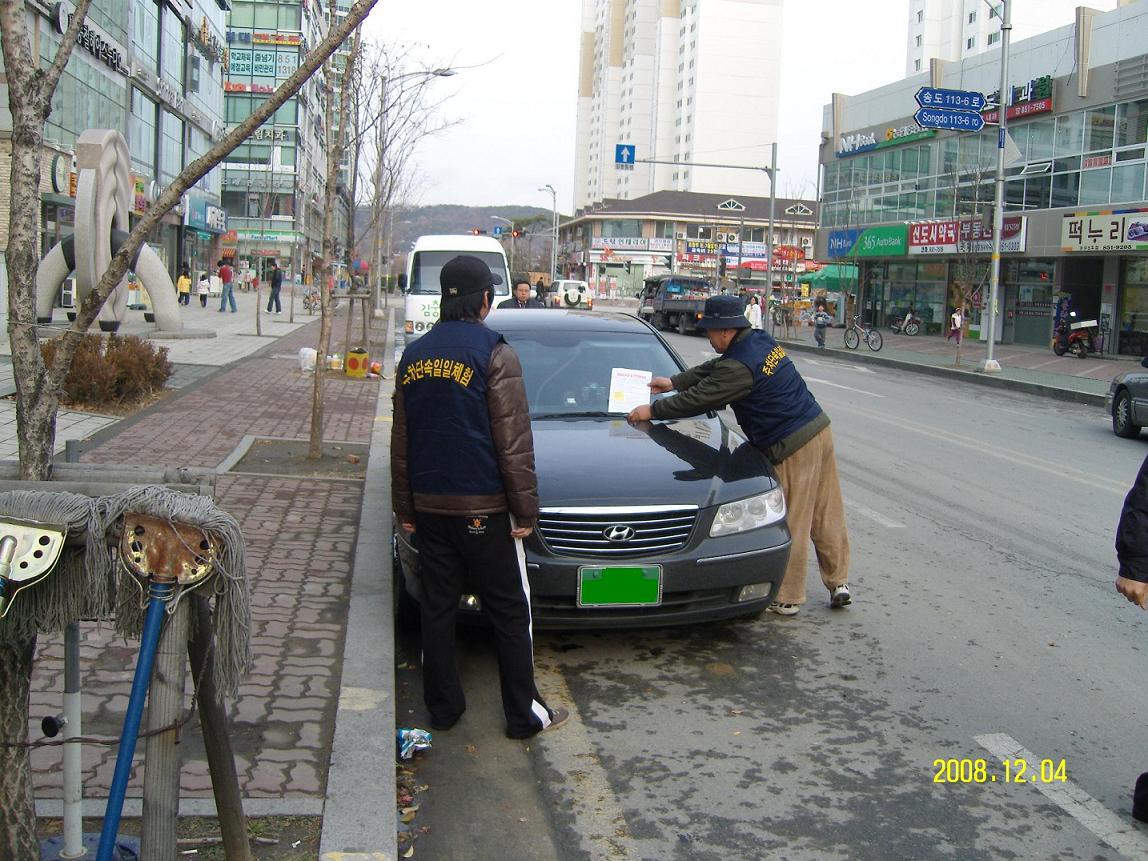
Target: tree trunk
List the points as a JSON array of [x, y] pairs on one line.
[[18, 835]]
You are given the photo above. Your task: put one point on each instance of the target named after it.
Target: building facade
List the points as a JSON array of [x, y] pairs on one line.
[[912, 206], [273, 184], [720, 237], [154, 72], [679, 81], [952, 30]]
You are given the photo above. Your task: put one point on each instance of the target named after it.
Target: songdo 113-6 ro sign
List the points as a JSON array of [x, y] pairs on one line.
[[952, 110]]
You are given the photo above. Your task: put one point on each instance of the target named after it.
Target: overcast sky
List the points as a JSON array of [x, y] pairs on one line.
[[515, 95]]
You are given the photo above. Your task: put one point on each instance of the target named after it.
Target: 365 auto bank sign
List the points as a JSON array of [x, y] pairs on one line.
[[890, 240]]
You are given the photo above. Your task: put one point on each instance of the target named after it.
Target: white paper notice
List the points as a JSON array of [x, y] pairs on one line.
[[628, 389]]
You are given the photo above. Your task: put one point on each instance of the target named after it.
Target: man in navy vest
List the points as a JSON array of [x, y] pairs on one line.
[[462, 467], [779, 416]]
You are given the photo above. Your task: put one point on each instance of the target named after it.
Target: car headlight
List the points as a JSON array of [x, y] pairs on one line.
[[751, 513]]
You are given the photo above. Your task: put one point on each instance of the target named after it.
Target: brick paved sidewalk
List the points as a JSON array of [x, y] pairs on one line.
[[300, 536]]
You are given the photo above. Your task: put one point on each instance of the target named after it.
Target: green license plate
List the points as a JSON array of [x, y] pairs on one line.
[[620, 586]]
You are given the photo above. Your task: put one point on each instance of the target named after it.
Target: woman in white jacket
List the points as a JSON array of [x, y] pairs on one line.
[[753, 313]]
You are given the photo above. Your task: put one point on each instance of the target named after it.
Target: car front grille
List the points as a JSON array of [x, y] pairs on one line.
[[617, 532]]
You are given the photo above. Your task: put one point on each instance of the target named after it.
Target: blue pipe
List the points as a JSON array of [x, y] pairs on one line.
[[149, 645]]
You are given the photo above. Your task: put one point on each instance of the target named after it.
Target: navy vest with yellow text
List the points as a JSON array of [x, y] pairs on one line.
[[779, 402], [443, 377]]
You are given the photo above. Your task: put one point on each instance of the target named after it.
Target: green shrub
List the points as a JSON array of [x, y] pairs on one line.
[[120, 370]]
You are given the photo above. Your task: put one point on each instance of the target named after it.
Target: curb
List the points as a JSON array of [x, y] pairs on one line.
[[359, 819], [954, 373]]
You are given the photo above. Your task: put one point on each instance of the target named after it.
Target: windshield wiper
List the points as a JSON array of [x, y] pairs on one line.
[[579, 415]]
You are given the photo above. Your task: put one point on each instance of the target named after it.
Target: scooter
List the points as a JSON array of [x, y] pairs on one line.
[[909, 325], [1079, 338]]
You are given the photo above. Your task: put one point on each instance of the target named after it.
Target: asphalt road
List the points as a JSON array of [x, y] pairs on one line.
[[985, 627]]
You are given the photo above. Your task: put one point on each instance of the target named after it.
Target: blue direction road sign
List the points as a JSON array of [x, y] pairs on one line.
[[624, 154], [498, 230], [957, 121], [956, 100]]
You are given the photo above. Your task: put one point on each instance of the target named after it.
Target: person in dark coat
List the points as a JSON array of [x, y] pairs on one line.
[[1132, 580], [463, 482], [521, 297], [781, 418]]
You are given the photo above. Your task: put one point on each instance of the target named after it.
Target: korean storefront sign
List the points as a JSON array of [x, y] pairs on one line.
[[1126, 230], [859, 142], [91, 38], [262, 62], [1035, 97], [887, 241], [620, 243], [965, 236], [202, 215]]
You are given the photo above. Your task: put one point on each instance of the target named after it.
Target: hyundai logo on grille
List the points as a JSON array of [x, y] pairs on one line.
[[618, 532]]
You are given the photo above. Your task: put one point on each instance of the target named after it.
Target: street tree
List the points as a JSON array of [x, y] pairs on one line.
[[31, 85]]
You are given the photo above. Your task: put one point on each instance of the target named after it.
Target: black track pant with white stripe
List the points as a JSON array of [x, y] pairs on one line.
[[476, 553]]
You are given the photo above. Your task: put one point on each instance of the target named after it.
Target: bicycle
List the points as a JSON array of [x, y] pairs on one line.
[[855, 333]]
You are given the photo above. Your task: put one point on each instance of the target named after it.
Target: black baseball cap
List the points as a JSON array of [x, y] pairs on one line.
[[466, 274], [723, 312]]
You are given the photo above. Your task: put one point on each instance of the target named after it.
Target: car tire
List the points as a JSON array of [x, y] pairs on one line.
[[406, 609], [659, 321], [1122, 416], [683, 324]]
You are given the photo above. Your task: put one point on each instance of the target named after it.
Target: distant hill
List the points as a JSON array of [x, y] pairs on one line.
[[410, 224]]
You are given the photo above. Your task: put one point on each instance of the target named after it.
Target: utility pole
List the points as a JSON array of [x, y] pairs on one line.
[[991, 365], [553, 230]]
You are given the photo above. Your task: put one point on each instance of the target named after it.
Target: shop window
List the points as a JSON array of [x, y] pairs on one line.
[[242, 15], [174, 49], [1065, 189], [171, 147], [1128, 183], [1039, 135], [1134, 307], [1037, 192], [1069, 130], [1132, 123], [1099, 127], [1094, 186], [145, 45], [141, 132], [290, 17], [266, 16]]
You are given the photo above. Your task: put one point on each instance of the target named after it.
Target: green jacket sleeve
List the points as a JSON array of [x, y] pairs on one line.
[[709, 386]]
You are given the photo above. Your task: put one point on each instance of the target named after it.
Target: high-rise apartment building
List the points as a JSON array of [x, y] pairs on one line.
[[273, 184], [679, 81], [954, 29]]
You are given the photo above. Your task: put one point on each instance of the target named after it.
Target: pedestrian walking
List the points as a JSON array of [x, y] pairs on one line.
[[753, 313], [203, 289], [463, 482], [183, 285], [227, 294], [956, 325], [1132, 581], [821, 320], [780, 417], [276, 286], [521, 297]]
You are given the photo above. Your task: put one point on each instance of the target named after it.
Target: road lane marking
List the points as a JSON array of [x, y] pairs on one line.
[[980, 447], [573, 753], [843, 365], [1118, 833], [839, 386], [874, 515]]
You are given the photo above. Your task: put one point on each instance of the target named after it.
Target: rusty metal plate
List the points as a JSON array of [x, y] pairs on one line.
[[156, 549]]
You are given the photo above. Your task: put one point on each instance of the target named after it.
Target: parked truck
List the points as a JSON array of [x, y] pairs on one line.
[[674, 302]]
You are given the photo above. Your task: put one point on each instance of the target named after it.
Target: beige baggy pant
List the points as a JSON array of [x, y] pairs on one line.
[[815, 511]]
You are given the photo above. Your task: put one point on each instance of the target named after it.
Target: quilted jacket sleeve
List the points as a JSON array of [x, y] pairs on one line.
[[510, 431], [1132, 530]]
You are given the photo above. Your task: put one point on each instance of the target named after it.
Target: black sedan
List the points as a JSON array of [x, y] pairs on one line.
[[1127, 402], [678, 521]]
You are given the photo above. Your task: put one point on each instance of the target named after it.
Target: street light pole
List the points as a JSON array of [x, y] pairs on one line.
[[991, 365], [511, 223], [553, 230], [769, 238]]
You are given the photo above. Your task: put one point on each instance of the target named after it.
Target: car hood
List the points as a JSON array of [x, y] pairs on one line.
[[601, 461]]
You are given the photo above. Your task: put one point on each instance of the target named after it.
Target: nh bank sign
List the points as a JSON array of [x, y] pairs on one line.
[[859, 142]]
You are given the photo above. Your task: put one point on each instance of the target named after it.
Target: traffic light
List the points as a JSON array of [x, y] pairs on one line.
[[515, 233], [721, 266], [475, 231]]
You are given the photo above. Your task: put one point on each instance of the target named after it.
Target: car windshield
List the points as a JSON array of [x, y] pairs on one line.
[[568, 373], [427, 265]]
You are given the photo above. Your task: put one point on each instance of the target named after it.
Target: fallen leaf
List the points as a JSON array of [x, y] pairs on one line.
[[470, 748], [408, 818], [409, 853], [414, 808], [737, 732], [352, 458], [735, 711], [1053, 645]]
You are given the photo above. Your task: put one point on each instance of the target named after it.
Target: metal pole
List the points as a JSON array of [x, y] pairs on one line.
[[991, 365], [769, 237], [740, 237], [145, 661], [73, 717]]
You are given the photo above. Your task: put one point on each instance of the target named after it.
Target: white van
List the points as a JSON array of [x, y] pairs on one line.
[[425, 262]]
